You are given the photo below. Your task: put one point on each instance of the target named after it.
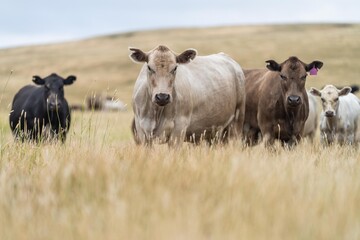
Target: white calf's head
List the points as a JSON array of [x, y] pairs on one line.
[[330, 98]]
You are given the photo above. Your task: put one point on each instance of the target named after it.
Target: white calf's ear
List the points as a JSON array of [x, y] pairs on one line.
[[344, 91], [315, 92], [137, 55]]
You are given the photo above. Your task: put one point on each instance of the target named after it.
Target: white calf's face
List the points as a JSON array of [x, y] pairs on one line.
[[330, 98]]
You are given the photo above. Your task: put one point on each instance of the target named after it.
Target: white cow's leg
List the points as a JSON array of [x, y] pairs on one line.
[[139, 135], [178, 134]]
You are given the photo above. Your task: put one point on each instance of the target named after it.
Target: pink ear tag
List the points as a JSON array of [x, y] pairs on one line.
[[313, 71]]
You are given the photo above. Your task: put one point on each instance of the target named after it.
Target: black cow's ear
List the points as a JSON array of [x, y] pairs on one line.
[[69, 80], [186, 56], [38, 80], [314, 64], [273, 66], [138, 56]]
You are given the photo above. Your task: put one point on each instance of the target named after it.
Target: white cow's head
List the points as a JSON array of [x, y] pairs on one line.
[[161, 65], [330, 98]]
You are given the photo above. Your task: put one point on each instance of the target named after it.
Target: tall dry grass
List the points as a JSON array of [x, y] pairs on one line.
[[100, 185]]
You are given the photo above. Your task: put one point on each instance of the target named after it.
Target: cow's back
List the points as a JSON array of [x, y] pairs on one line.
[[213, 87]]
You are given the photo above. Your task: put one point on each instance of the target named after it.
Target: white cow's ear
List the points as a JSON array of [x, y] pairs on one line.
[[137, 55], [344, 91], [186, 56], [315, 92]]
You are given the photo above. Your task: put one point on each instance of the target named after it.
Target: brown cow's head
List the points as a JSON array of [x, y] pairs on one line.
[[292, 74], [330, 98], [161, 64]]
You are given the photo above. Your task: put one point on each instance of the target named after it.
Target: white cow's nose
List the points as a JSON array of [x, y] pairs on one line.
[[162, 99], [329, 113]]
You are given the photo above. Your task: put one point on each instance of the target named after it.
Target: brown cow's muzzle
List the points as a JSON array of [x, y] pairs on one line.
[[294, 100], [162, 99]]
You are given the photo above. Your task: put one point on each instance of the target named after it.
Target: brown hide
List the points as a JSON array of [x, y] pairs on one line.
[[276, 101]]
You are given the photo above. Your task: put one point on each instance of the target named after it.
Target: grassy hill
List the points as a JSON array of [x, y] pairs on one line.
[[102, 64], [100, 185]]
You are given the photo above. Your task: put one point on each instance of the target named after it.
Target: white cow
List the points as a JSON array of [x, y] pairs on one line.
[[176, 99], [311, 123], [339, 119]]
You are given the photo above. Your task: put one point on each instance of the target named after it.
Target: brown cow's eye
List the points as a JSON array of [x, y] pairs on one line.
[[283, 77], [303, 77]]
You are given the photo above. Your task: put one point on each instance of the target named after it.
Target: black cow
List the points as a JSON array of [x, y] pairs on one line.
[[36, 108]]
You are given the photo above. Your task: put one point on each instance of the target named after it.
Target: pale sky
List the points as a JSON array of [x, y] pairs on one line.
[[25, 22]]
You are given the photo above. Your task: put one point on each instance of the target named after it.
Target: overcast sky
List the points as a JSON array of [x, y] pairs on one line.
[[24, 22]]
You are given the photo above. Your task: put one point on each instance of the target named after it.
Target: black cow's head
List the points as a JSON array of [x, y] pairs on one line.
[[292, 74], [54, 89]]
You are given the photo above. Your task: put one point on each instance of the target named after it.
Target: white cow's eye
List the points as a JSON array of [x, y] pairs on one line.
[[174, 70], [150, 70], [336, 99]]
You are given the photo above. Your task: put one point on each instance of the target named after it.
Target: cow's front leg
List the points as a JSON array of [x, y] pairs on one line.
[[178, 133], [141, 137]]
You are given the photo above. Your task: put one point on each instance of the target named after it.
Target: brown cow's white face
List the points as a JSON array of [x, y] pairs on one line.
[[292, 74], [161, 66], [330, 98]]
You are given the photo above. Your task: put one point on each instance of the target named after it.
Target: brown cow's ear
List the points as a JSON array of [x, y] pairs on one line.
[[69, 80], [315, 92], [273, 66], [138, 56], [314, 64], [38, 80], [186, 56], [344, 91]]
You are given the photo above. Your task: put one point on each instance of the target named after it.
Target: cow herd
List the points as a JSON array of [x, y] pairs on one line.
[[186, 97]]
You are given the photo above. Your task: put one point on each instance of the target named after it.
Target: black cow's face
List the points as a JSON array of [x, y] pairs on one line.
[[54, 89]]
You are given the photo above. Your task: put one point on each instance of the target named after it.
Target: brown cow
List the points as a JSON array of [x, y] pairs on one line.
[[277, 105]]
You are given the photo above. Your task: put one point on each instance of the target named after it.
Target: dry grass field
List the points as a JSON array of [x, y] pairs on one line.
[[100, 185]]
